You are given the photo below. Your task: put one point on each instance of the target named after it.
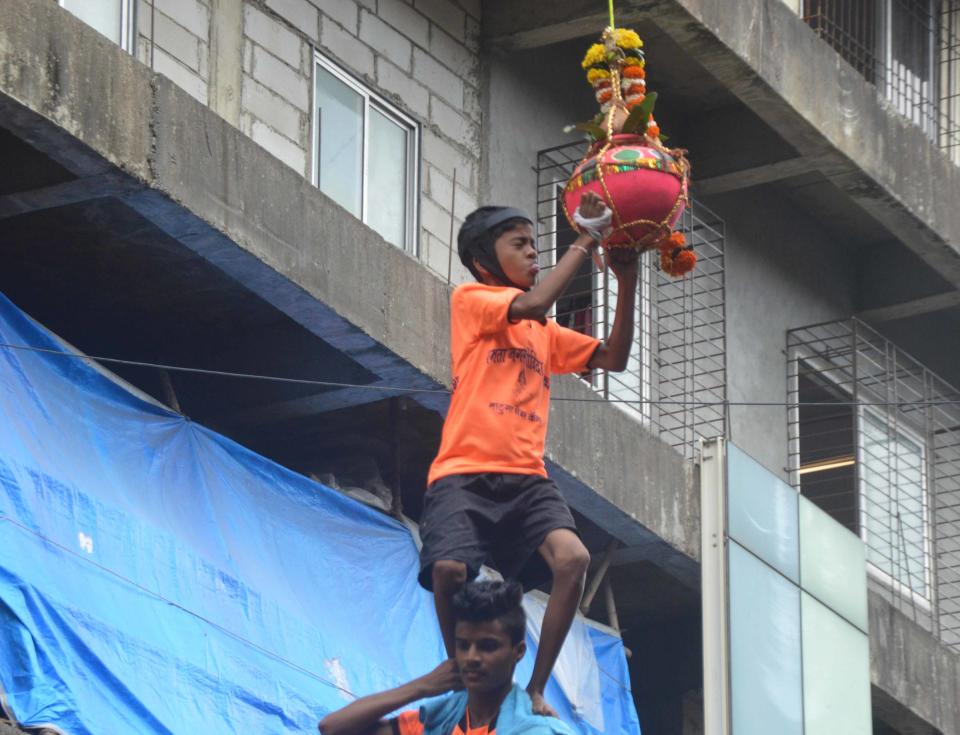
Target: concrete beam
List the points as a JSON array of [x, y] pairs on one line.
[[755, 176], [765, 55], [916, 680], [70, 192], [915, 307], [315, 405]]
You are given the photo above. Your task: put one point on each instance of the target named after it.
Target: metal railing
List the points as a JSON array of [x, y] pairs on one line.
[[675, 381], [908, 49], [884, 460]]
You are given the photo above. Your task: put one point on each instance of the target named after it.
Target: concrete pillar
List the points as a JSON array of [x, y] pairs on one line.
[[226, 58]]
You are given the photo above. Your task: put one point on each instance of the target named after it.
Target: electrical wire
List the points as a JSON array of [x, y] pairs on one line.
[[443, 391]]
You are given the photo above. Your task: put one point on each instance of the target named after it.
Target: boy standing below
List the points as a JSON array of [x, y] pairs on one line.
[[489, 635], [489, 499]]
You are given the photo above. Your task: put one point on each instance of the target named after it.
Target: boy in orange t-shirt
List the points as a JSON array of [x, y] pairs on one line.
[[489, 499]]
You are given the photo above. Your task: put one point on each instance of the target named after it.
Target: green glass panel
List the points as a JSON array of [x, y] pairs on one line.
[[836, 673], [833, 566], [762, 513], [765, 676]]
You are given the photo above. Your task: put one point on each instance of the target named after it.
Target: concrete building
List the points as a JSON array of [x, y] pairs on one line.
[[271, 187]]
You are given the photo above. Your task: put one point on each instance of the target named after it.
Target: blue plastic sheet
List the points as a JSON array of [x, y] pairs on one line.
[[156, 577]]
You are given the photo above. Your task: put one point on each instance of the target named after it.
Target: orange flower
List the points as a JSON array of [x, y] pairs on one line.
[[675, 258], [604, 95], [653, 131], [602, 84], [684, 262], [634, 102], [634, 72], [634, 89]]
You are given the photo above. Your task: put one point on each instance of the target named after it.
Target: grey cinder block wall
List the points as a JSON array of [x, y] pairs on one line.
[[252, 62]]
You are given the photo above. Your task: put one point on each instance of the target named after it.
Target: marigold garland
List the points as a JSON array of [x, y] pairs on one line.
[[676, 257], [626, 38], [595, 75], [596, 54], [616, 69], [624, 57]]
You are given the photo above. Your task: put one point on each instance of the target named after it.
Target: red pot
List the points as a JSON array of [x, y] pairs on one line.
[[646, 188]]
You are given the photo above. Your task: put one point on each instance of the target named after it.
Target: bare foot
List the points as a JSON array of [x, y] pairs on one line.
[[540, 706]]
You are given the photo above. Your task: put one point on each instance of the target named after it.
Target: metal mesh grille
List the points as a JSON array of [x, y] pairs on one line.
[[890, 473], [910, 49], [675, 381]]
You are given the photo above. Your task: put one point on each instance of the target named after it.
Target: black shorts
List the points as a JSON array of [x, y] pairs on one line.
[[491, 518]]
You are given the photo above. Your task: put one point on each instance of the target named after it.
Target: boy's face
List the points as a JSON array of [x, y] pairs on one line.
[[486, 657], [516, 251]]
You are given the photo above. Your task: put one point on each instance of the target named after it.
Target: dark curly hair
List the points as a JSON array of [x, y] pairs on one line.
[[483, 601]]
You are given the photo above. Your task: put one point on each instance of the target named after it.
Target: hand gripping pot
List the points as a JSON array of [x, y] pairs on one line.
[[644, 186]]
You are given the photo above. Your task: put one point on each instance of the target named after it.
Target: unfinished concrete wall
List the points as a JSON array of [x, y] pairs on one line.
[[530, 97], [783, 271]]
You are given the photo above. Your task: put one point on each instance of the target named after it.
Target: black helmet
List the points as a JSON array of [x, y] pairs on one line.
[[478, 235]]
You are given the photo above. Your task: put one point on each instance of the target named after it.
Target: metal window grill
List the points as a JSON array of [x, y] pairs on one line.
[[890, 473], [909, 49], [675, 381]]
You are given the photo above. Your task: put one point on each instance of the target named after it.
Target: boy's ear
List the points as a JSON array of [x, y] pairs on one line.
[[481, 270], [520, 650]]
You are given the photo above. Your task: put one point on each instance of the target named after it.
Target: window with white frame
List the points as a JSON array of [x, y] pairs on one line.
[[115, 19], [366, 155], [894, 513], [867, 469]]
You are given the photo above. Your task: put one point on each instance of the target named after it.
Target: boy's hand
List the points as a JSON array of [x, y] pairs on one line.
[[591, 205], [593, 218], [441, 680], [540, 706], [624, 262]]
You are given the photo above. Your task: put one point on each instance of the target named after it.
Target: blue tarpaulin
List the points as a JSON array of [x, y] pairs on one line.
[[156, 577]]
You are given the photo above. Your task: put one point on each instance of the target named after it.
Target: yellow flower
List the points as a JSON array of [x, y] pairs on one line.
[[634, 61], [625, 38], [595, 75], [596, 54]]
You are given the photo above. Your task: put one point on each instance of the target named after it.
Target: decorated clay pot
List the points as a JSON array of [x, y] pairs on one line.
[[646, 188]]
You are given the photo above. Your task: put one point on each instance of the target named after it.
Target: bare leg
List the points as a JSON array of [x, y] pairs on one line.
[[568, 559], [448, 578]]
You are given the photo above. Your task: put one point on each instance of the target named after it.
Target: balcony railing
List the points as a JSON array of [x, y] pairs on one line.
[[908, 49], [675, 381], [875, 442]]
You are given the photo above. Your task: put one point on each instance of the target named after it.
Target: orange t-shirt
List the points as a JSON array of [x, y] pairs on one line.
[[408, 723], [497, 420]]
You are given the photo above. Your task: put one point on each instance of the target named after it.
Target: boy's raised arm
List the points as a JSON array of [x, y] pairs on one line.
[[615, 352], [365, 715], [537, 302]]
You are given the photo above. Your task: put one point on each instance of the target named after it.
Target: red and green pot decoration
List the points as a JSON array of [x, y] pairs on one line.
[[644, 183]]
